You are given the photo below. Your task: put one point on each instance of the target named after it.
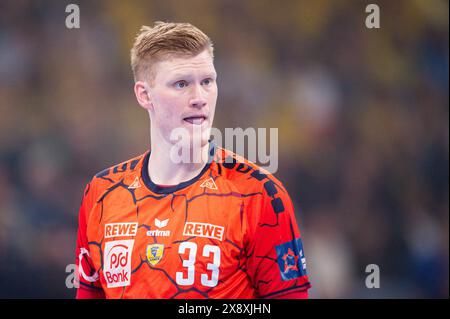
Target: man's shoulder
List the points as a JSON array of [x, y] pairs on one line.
[[246, 174], [117, 173]]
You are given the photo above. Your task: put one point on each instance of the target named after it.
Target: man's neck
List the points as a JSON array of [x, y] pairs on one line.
[[163, 170]]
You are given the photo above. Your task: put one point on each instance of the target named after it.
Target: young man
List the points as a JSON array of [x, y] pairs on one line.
[[154, 227]]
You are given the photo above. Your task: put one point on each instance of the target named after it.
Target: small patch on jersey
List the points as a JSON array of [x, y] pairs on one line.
[[135, 184], [117, 263], [209, 183], [291, 259], [155, 253]]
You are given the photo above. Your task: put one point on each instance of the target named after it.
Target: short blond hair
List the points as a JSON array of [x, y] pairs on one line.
[[162, 40]]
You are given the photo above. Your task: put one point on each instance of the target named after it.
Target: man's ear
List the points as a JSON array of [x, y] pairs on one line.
[[143, 96]]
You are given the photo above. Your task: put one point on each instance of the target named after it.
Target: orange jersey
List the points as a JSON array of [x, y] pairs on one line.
[[230, 232]]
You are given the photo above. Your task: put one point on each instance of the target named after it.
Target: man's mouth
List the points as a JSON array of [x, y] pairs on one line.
[[196, 120]]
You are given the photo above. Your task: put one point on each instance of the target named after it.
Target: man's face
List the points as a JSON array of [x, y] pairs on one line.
[[183, 94]]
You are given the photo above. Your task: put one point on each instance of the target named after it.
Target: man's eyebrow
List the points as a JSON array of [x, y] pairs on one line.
[[211, 74], [188, 76]]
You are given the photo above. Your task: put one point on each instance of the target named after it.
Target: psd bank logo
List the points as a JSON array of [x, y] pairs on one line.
[[117, 263]]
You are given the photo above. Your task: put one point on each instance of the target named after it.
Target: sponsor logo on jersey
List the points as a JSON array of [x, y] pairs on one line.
[[161, 223], [117, 263], [203, 230], [84, 266], [135, 184], [155, 253], [291, 259], [120, 229], [157, 232], [209, 183]]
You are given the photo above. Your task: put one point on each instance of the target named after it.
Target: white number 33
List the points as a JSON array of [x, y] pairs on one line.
[[190, 265]]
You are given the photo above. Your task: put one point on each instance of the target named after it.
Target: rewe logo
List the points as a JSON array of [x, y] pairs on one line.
[[120, 230], [203, 230], [161, 223]]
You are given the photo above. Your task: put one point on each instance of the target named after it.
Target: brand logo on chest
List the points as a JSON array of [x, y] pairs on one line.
[[203, 230]]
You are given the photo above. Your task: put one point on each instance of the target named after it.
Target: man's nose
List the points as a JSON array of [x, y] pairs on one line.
[[198, 99]]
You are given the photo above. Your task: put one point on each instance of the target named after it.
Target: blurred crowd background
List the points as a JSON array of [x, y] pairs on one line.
[[362, 117]]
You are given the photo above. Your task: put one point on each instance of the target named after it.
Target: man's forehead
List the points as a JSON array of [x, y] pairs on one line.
[[183, 63]]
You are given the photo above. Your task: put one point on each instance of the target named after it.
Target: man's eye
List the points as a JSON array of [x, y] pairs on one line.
[[207, 81], [180, 84]]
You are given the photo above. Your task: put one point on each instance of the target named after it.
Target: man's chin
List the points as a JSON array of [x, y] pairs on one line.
[[192, 142], [190, 152]]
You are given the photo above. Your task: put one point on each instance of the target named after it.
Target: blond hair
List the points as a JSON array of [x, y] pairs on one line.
[[162, 40]]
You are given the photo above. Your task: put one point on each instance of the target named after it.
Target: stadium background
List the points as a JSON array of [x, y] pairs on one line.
[[362, 117]]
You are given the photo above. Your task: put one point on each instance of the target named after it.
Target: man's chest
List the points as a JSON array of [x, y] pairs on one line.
[[187, 240]]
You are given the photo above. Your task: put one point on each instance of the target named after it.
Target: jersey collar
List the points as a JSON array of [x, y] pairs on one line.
[[171, 189]]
